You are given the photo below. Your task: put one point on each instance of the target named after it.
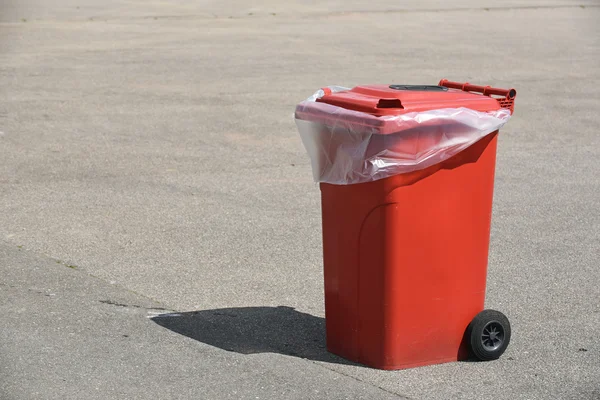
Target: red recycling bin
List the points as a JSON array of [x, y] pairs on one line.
[[405, 256]]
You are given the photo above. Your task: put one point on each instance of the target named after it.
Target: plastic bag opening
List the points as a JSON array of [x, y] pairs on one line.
[[349, 147]]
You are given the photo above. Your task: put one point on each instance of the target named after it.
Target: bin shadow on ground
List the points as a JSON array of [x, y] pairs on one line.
[[251, 330]]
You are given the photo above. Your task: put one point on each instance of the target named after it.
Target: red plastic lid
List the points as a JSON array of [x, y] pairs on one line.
[[382, 100]]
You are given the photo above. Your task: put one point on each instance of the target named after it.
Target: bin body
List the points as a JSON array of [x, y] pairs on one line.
[[405, 257], [405, 261]]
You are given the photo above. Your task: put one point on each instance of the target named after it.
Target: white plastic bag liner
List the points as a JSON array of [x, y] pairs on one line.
[[347, 147]]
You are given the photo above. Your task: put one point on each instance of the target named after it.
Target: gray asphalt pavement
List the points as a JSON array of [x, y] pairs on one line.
[[160, 230]]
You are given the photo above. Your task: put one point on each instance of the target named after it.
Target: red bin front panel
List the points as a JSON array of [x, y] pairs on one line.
[[405, 260]]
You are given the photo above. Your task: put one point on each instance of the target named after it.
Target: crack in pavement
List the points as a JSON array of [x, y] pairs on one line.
[[85, 271], [116, 304]]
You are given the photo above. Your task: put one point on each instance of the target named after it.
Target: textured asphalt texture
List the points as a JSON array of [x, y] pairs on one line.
[[160, 230]]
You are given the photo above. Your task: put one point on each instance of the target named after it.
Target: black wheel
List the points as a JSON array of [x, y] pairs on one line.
[[488, 335]]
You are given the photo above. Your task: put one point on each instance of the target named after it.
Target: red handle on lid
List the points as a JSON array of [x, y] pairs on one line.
[[508, 100]]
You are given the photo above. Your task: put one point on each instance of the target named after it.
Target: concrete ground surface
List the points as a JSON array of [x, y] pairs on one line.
[[160, 230]]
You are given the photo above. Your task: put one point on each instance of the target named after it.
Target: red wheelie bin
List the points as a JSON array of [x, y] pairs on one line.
[[406, 176]]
